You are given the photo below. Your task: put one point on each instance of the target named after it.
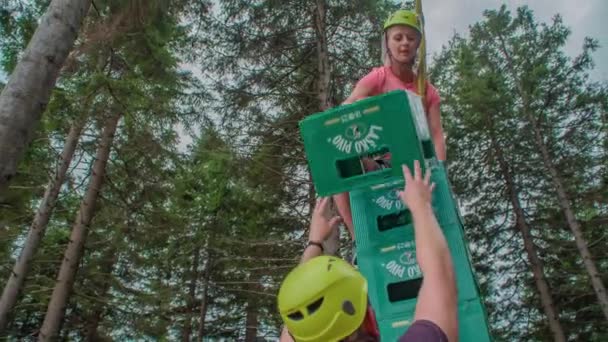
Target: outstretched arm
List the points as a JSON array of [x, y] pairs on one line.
[[285, 337], [438, 297], [342, 200], [320, 228]]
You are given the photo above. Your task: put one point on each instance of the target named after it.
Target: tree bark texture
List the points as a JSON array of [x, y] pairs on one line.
[[92, 325], [204, 299], [29, 87], [575, 227], [73, 254], [331, 245], [536, 264], [191, 302], [17, 277]]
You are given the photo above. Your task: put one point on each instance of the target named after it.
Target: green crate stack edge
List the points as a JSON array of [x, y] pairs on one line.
[[386, 257]]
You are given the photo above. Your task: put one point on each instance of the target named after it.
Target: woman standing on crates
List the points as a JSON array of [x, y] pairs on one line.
[[401, 39]]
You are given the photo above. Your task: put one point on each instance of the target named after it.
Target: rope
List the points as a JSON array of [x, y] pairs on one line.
[[421, 78]]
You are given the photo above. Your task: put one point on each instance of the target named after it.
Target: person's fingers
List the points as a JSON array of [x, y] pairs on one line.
[[322, 204], [318, 203], [406, 173], [427, 177], [417, 172], [335, 221], [432, 187]]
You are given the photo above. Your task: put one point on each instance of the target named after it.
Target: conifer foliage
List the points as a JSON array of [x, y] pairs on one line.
[[165, 194]]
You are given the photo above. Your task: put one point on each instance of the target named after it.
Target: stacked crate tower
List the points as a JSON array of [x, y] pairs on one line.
[[338, 143]]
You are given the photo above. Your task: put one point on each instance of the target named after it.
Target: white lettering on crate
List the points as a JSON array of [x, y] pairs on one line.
[[358, 135]]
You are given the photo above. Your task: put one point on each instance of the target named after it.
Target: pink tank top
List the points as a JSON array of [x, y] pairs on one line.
[[382, 80]]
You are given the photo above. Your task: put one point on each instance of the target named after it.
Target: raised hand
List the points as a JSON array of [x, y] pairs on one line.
[[320, 226], [417, 192]]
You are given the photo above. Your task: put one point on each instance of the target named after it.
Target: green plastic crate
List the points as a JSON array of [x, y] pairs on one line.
[[472, 322], [392, 328], [380, 213], [394, 276], [380, 251], [335, 142], [337, 139], [465, 276], [380, 209], [444, 202]]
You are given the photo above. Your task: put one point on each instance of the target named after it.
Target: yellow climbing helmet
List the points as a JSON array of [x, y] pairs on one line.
[[403, 17], [323, 299]]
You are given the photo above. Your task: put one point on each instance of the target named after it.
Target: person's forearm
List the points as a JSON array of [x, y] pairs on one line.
[[285, 337], [310, 252], [440, 149], [432, 252], [342, 202]]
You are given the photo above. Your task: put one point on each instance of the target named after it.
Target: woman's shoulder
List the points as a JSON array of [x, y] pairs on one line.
[[430, 85], [378, 71], [373, 80], [432, 94], [431, 89]]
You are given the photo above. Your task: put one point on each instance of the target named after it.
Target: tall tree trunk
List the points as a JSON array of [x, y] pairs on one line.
[[251, 322], [536, 264], [575, 227], [204, 299], [92, 325], [69, 266], [109, 261], [37, 229], [203, 311], [563, 200], [252, 312], [323, 68], [331, 246], [29, 88], [191, 302]]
